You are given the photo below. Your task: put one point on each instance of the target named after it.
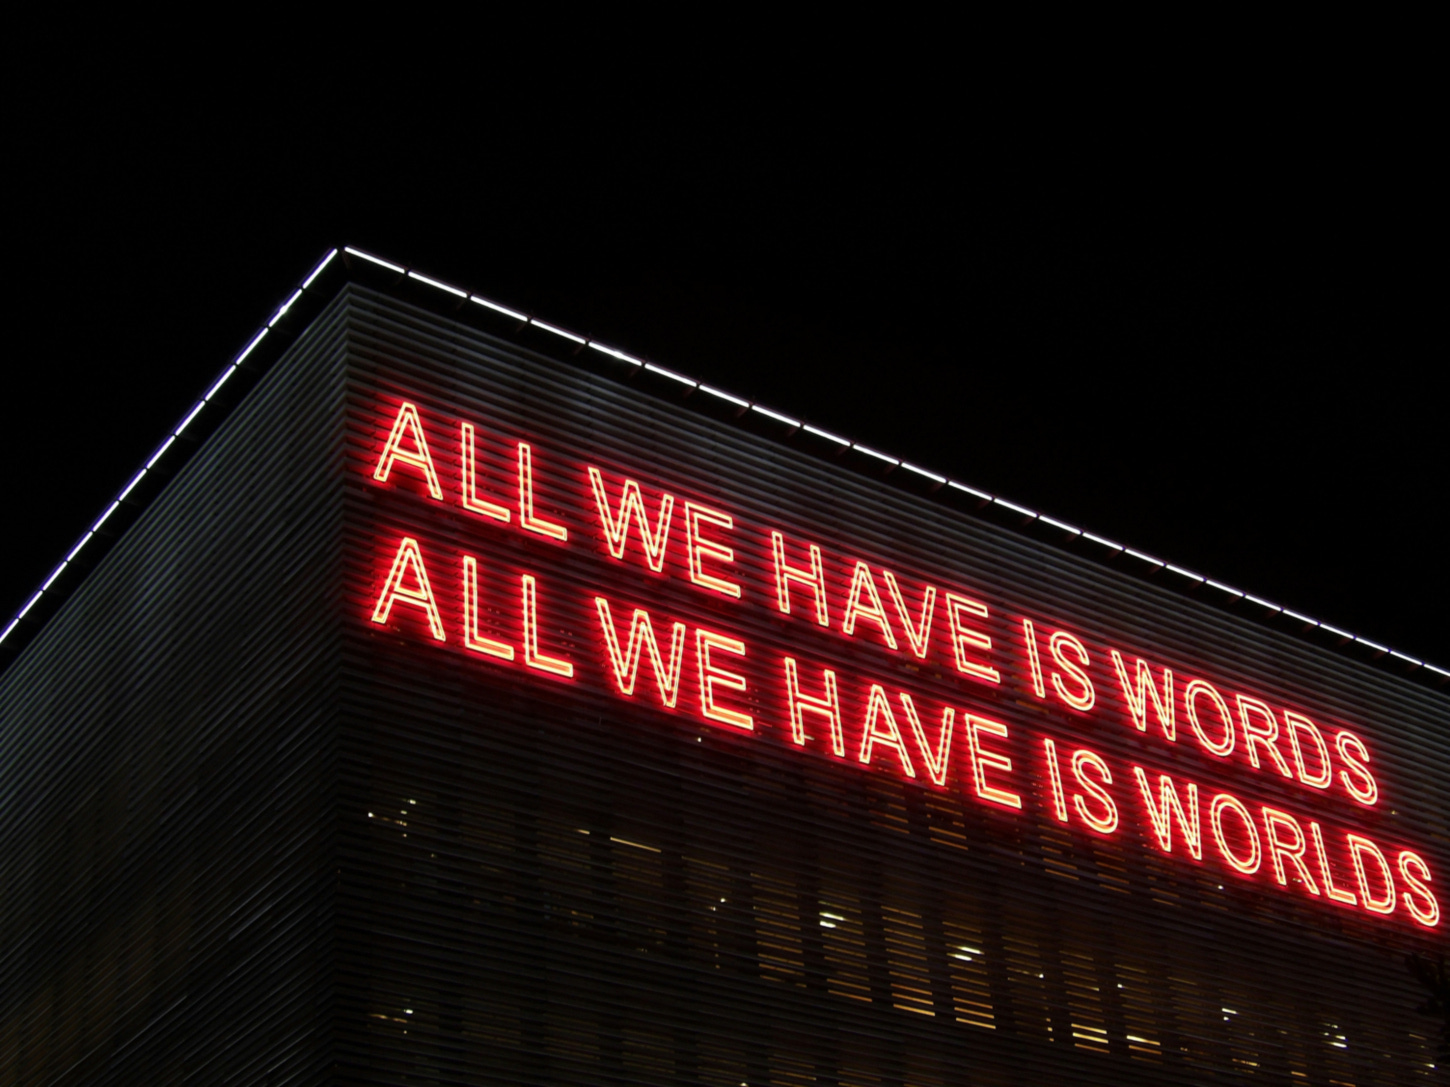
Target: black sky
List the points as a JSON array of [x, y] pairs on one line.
[[1210, 332]]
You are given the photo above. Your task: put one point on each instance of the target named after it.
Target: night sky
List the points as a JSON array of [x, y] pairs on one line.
[[1214, 334]]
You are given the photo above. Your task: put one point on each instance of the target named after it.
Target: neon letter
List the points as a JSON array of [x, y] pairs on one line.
[[1220, 803], [1265, 735], [526, 499], [1329, 888], [815, 580], [532, 657], [1138, 703], [1358, 848], [1103, 824], [1030, 635], [1161, 815], [861, 581], [828, 707], [1296, 723], [409, 422], [711, 674], [471, 638], [982, 759], [1431, 917], [1086, 697], [409, 559], [919, 636], [936, 761], [700, 548], [1224, 748], [1293, 850], [469, 499], [1054, 777], [963, 636], [877, 708], [642, 636], [1370, 792], [631, 503]]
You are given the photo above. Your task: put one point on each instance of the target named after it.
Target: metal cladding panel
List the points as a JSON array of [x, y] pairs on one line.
[[549, 880], [263, 823], [166, 760]]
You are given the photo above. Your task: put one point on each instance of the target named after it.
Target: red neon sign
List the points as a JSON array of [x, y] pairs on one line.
[[923, 673]]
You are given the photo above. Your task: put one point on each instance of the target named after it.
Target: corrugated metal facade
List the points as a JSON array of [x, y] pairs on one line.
[[254, 836]]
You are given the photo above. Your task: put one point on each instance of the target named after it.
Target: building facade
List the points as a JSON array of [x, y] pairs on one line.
[[475, 704]]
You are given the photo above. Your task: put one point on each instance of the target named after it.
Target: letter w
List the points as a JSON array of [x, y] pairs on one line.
[[642, 635], [616, 531], [1147, 692], [1169, 805]]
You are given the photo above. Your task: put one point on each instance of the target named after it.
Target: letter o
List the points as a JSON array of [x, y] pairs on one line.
[[1224, 748], [1251, 865]]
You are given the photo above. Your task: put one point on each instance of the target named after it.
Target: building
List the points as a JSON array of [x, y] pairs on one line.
[[456, 700]]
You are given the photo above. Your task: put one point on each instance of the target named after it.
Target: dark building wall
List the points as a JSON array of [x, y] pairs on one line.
[[167, 751], [548, 883], [251, 836]]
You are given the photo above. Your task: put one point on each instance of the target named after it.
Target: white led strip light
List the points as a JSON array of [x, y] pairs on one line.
[[744, 406]]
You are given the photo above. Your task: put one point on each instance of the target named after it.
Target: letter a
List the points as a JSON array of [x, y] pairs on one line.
[[409, 560], [410, 424]]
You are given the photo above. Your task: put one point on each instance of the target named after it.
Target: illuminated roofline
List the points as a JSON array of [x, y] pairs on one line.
[[742, 405]]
